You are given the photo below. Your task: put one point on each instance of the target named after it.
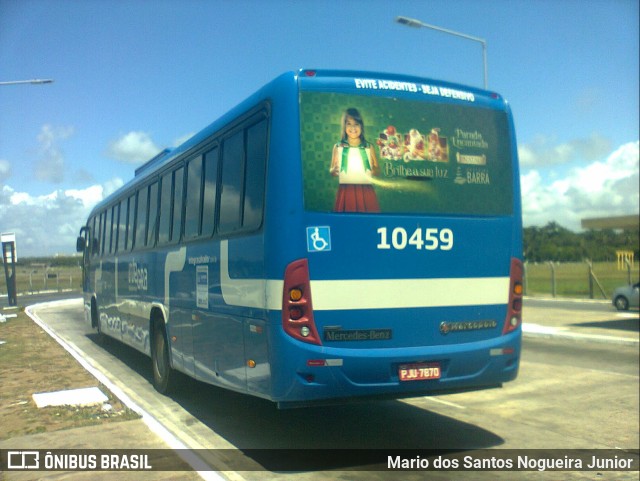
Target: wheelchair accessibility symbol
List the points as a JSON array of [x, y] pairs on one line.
[[318, 239]]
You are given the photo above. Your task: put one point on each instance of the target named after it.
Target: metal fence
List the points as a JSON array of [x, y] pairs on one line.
[[36, 279], [585, 280]]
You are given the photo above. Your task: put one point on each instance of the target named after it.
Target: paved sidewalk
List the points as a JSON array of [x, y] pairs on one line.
[[600, 325]]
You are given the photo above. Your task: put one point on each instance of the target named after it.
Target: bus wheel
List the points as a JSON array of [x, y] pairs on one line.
[[163, 375], [95, 322]]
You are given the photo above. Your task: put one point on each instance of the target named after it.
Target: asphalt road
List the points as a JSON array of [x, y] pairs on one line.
[[568, 396], [596, 305]]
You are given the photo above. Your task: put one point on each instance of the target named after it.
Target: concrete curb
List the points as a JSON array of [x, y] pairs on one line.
[[155, 426]]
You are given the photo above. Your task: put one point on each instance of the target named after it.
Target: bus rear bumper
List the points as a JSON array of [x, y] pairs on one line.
[[337, 373]]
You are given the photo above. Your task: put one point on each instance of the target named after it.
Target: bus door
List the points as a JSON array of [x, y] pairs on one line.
[[83, 245]]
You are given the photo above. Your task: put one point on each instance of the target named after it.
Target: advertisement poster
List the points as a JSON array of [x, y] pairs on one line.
[[386, 155]]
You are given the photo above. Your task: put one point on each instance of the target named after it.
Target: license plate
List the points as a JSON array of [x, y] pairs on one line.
[[419, 372]]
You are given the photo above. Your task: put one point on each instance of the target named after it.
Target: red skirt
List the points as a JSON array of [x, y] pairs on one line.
[[356, 198]]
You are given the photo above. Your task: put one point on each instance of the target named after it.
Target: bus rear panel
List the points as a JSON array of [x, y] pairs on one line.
[[402, 271]]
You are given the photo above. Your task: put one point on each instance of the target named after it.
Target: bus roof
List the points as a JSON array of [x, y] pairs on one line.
[[326, 74], [398, 85]]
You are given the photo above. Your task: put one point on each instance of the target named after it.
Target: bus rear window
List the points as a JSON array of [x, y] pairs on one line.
[[395, 156]]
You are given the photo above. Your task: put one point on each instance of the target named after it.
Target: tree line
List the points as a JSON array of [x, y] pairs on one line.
[[555, 243]]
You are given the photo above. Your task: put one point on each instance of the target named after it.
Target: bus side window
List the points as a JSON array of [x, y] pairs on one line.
[[141, 218], [115, 221], [122, 225], [106, 232], [92, 236], [152, 230], [128, 244], [255, 176], [95, 235], [193, 198], [178, 189], [165, 209], [231, 184], [210, 192]]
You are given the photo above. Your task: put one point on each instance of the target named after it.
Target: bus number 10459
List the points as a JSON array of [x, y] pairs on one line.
[[429, 239]]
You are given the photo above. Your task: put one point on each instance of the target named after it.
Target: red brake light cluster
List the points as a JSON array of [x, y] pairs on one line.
[[516, 291], [297, 310]]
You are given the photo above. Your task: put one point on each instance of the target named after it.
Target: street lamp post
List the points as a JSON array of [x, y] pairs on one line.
[[412, 22], [33, 82], [8, 240]]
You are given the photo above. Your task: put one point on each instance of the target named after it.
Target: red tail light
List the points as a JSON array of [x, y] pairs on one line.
[[297, 310], [514, 309]]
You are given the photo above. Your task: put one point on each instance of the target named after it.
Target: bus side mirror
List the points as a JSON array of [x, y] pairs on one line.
[[80, 244]]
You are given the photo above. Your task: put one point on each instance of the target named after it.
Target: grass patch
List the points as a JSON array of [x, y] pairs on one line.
[[572, 279], [32, 362]]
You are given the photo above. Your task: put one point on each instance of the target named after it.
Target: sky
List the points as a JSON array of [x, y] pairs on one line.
[[133, 77]]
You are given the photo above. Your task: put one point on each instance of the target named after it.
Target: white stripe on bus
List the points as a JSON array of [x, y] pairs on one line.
[[175, 262], [407, 293], [365, 293]]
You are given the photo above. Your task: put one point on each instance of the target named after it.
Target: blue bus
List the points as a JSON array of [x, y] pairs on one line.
[[337, 236]]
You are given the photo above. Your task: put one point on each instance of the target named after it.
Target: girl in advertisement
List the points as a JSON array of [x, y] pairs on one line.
[[354, 162]]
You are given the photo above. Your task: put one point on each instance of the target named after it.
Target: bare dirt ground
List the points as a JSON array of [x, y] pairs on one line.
[[32, 362]]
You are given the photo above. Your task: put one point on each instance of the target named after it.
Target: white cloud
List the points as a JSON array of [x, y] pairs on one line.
[[601, 189], [587, 100], [5, 170], [50, 166], [543, 151], [49, 224], [135, 148], [111, 186], [89, 196], [181, 140]]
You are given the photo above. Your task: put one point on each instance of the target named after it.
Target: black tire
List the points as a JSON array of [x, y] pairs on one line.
[[95, 321], [621, 303], [164, 377]]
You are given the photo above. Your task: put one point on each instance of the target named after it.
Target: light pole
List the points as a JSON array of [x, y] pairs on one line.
[[33, 82], [8, 240], [412, 22]]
